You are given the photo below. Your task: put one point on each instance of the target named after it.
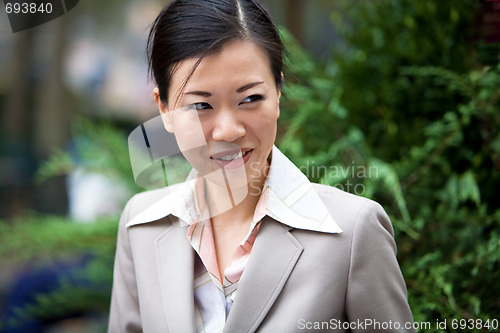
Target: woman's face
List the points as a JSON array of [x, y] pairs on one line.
[[225, 117]]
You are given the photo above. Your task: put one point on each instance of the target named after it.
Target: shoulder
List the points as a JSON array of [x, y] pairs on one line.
[[337, 196], [143, 201], [352, 212]]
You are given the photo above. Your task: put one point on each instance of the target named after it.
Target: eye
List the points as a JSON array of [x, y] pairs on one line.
[[252, 99], [201, 106]]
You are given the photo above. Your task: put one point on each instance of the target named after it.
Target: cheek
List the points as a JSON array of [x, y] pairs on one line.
[[263, 127], [269, 118], [188, 131]]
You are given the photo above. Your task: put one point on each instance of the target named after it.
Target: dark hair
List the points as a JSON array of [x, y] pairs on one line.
[[198, 28]]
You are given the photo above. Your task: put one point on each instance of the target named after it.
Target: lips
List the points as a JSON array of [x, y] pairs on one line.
[[232, 158]]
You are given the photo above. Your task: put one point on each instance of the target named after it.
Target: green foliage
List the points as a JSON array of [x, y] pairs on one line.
[[404, 95], [98, 147], [37, 242], [385, 36], [54, 238]]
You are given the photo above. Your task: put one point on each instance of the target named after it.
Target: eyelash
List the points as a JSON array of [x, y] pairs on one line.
[[255, 98], [248, 100], [197, 106]]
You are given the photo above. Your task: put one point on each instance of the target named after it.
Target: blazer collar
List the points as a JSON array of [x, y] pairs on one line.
[[274, 255]]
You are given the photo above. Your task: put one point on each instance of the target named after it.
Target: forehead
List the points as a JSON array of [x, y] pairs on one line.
[[237, 61]]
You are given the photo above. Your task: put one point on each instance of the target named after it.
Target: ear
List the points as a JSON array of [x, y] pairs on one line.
[[166, 116], [278, 92], [280, 87]]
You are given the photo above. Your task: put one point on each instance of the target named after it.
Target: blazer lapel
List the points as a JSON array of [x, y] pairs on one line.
[[274, 255], [175, 267]]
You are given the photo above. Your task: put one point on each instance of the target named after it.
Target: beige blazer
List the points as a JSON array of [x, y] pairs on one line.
[[295, 280]]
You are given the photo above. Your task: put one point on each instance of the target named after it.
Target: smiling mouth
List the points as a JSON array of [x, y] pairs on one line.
[[230, 156]]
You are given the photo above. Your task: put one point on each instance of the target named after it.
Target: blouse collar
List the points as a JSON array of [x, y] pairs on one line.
[[287, 196]]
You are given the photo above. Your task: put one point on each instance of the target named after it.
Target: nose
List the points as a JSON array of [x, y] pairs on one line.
[[227, 126]]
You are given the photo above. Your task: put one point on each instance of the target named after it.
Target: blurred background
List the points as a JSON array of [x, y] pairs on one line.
[[395, 100]]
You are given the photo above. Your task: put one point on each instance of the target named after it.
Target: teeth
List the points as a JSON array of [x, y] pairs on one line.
[[231, 157]]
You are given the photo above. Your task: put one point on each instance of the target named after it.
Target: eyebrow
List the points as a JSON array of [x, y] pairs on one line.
[[248, 86], [239, 90], [198, 93]]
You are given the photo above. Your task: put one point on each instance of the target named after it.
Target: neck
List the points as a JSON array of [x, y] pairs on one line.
[[232, 207]]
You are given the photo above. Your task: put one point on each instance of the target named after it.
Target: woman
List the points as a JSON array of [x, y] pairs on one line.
[[249, 244]]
